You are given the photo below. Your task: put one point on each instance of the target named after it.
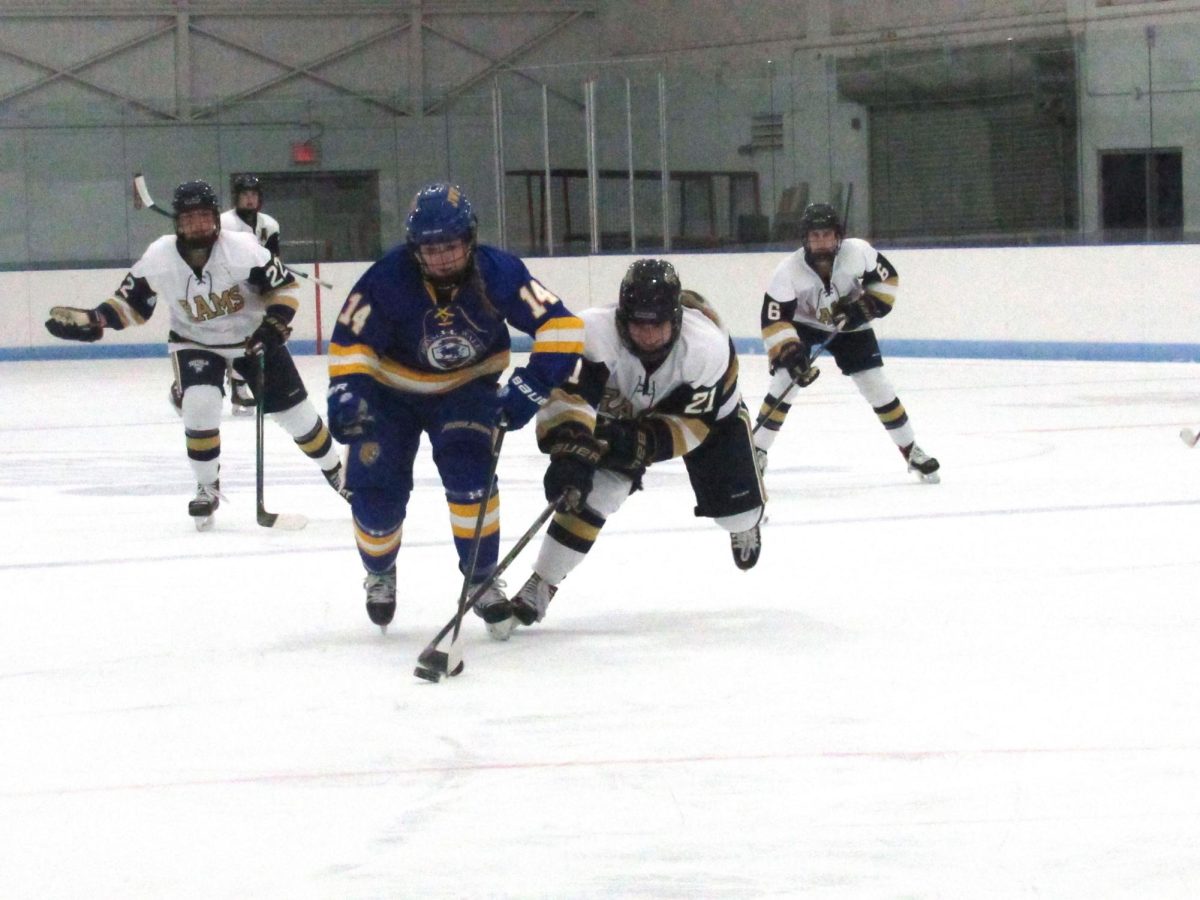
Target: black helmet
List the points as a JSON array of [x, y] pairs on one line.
[[193, 195], [247, 183], [820, 215], [649, 295]]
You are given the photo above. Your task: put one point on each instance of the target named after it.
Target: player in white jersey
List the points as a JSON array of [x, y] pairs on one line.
[[832, 284], [658, 379], [229, 300], [247, 216]]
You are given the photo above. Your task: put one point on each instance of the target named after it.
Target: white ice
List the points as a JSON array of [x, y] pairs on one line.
[[984, 688]]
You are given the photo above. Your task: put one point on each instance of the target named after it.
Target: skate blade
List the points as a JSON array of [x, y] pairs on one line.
[[203, 523], [931, 478]]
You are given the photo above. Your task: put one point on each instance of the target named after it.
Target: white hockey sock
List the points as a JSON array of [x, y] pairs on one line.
[[309, 432]]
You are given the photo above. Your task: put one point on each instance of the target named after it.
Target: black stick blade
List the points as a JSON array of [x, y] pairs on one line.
[[437, 663]]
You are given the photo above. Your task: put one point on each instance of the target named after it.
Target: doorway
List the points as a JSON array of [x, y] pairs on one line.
[[324, 216], [1141, 195]]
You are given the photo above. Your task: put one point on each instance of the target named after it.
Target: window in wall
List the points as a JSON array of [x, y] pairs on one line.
[[1141, 195], [708, 209]]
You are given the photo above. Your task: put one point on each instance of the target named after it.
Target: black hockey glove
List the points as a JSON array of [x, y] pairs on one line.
[[794, 359], [574, 455], [521, 398], [631, 446], [271, 334], [850, 314], [350, 416], [71, 324]]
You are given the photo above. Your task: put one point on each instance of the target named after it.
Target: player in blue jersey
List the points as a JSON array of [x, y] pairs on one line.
[[419, 346]]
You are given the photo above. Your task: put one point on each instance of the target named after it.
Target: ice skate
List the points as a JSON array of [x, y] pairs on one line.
[[493, 607], [746, 546], [381, 597], [922, 463], [204, 504], [241, 401], [529, 606], [337, 480]]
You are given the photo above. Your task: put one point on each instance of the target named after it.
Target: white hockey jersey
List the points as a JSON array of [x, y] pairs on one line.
[[265, 227], [693, 388], [857, 267], [219, 306]]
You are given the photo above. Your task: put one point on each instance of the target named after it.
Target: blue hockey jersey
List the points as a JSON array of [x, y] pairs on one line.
[[398, 331]]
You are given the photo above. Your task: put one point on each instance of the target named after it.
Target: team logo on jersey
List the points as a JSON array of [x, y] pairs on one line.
[[222, 304], [451, 340], [614, 406], [450, 351], [368, 452], [645, 387]]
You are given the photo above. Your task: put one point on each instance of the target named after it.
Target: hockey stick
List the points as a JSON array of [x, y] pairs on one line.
[[286, 521], [433, 663], [143, 200], [312, 278], [817, 351], [1189, 437]]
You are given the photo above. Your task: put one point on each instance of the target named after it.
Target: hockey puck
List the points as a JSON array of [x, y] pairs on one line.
[[427, 674]]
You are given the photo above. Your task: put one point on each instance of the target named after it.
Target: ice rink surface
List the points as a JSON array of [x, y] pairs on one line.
[[984, 688]]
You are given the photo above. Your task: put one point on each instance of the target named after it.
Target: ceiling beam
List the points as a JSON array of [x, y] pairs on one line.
[[501, 64]]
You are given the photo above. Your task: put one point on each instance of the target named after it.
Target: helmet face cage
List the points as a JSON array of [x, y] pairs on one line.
[[650, 294], [441, 214], [245, 183], [820, 215], [194, 195]]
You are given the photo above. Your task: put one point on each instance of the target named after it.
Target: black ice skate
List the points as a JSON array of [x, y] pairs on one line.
[[922, 463], [746, 546], [493, 607], [204, 504], [337, 480], [381, 597], [529, 606]]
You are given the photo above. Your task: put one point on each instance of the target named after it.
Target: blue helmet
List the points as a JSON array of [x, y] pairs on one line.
[[440, 213]]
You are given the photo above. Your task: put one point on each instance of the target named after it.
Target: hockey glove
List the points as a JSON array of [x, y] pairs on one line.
[[794, 358], [271, 334], [574, 455], [631, 446], [850, 314], [521, 398], [73, 324], [350, 416]]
